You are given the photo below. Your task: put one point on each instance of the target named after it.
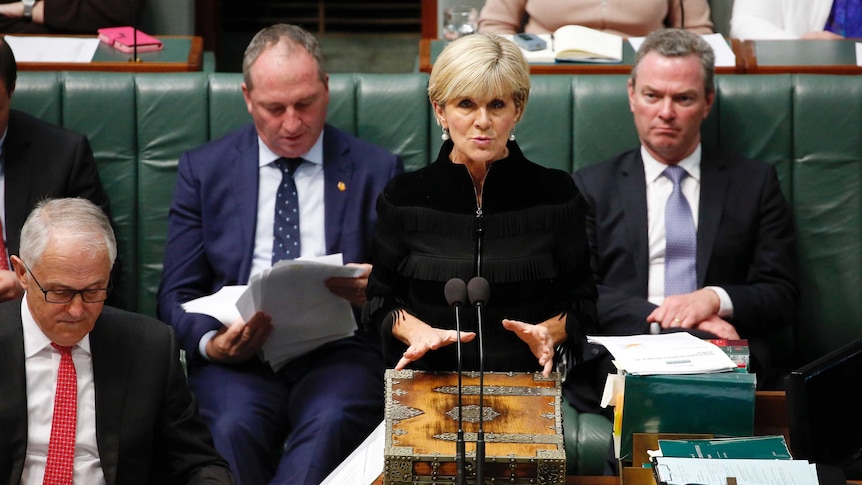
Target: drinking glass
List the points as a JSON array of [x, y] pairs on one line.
[[458, 21]]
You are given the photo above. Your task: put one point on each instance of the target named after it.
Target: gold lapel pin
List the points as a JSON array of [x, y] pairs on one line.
[[342, 187]]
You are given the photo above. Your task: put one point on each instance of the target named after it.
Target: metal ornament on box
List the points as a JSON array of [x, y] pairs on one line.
[[420, 441]]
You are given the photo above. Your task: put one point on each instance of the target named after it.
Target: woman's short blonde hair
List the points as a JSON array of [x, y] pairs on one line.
[[479, 65]]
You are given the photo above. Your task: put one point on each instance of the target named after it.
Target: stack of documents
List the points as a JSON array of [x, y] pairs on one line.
[[305, 314], [670, 353]]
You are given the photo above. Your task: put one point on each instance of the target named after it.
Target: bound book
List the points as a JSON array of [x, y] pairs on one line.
[[124, 39], [576, 43]]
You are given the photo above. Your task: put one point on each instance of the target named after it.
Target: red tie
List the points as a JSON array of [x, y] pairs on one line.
[[4, 259], [61, 449]]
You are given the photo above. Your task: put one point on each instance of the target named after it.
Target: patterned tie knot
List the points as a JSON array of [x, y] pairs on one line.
[[288, 165], [675, 173], [62, 349]]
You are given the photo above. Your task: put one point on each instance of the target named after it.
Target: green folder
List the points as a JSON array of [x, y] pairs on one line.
[[721, 404]]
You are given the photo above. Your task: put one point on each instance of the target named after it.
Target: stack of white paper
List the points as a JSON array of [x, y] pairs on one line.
[[305, 314], [670, 353]]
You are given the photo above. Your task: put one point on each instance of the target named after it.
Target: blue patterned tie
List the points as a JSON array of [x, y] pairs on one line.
[[680, 255], [285, 230]]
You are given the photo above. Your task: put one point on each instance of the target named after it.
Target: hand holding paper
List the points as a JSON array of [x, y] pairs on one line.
[[304, 313]]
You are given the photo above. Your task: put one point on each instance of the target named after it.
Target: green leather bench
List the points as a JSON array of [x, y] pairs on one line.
[[807, 125]]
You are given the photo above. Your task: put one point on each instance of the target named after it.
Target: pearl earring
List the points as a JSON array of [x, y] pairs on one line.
[[512, 135], [445, 135]]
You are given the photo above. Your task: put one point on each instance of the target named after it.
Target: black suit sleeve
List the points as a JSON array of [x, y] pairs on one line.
[[186, 443], [621, 310], [764, 292]]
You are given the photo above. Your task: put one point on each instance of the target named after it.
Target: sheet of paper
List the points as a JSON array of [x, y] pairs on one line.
[[364, 465], [303, 310], [669, 353], [52, 49], [305, 314], [724, 56], [679, 471], [220, 305]]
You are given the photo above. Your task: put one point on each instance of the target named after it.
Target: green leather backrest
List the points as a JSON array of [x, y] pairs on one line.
[[102, 106], [808, 126], [827, 199]]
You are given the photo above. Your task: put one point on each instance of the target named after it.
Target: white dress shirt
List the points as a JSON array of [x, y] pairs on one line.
[[41, 362], [658, 189], [778, 19]]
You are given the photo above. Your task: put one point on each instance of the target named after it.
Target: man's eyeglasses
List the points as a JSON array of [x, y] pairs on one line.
[[93, 295]]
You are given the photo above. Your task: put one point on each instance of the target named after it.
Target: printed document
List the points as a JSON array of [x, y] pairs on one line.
[[669, 353], [682, 471], [52, 49]]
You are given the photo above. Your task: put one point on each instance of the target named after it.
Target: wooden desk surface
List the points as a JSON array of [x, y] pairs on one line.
[[180, 54], [429, 48], [752, 57]]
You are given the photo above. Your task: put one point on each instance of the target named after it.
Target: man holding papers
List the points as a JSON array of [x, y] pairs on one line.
[[287, 186], [682, 234]]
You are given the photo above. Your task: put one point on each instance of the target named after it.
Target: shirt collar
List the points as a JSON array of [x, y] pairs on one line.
[[34, 340], [653, 168], [265, 156]]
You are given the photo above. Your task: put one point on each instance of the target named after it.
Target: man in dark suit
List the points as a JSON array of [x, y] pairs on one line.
[[222, 231], [37, 160], [131, 417], [739, 259]]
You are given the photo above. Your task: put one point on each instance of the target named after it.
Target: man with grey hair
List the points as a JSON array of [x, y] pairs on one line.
[[91, 394], [683, 235], [226, 224]]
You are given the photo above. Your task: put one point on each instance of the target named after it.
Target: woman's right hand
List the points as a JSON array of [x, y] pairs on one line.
[[421, 337]]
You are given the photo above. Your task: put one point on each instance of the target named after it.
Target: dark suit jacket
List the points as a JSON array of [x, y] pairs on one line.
[[45, 161], [147, 427], [745, 242], [213, 217]]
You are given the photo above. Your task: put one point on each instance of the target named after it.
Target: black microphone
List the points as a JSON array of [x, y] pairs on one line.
[[456, 296], [479, 290]]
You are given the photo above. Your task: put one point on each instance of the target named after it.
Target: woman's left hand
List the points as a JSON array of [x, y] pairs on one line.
[[539, 338]]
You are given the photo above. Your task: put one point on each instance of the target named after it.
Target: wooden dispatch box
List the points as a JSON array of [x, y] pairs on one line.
[[522, 425]]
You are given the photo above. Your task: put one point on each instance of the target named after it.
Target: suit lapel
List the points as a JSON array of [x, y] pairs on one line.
[[337, 180], [714, 181], [632, 193], [245, 195], [18, 169], [110, 375], [13, 389]]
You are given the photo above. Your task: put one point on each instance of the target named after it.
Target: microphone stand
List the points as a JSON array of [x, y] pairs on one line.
[[456, 295], [135, 57], [478, 291]]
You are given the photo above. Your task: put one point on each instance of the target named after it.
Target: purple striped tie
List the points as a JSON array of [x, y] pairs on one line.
[[680, 256]]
